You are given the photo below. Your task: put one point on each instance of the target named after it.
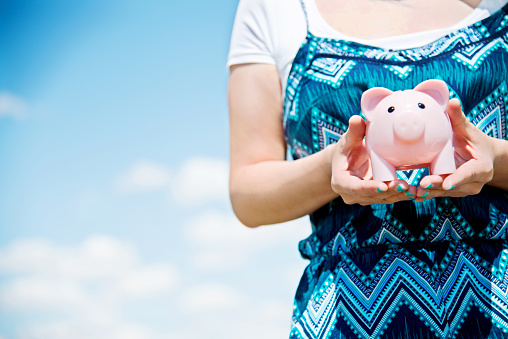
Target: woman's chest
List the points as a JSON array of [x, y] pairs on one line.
[[374, 19]]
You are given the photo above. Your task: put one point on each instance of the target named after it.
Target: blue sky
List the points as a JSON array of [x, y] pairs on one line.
[[114, 215]]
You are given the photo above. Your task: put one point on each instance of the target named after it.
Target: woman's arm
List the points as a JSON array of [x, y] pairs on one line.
[[266, 189]]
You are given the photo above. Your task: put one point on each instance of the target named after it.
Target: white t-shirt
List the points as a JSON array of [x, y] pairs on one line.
[[272, 31]]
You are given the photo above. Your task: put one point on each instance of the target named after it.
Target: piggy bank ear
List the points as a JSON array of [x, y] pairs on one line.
[[437, 89], [371, 98]]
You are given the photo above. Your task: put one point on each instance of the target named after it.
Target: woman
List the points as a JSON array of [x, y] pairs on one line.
[[387, 259]]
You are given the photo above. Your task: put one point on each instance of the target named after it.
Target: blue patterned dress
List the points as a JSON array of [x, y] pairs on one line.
[[408, 270]]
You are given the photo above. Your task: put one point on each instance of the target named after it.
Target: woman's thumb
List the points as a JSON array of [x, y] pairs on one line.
[[457, 117], [356, 129]]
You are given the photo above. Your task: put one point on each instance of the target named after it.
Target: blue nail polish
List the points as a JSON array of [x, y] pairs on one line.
[[429, 186], [426, 193], [451, 188], [409, 194], [400, 188], [380, 191]]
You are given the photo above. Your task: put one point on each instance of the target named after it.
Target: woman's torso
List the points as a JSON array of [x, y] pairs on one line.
[[357, 250]]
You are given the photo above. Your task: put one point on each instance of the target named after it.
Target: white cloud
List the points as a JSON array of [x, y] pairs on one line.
[[11, 105], [223, 229], [201, 180], [268, 319], [247, 317], [148, 281], [272, 311], [77, 329], [86, 285], [221, 242], [97, 257], [255, 330], [197, 181], [210, 297], [30, 255], [144, 176], [215, 260], [42, 293], [222, 246]]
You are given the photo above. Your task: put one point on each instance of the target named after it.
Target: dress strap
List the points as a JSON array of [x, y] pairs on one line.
[[302, 2]]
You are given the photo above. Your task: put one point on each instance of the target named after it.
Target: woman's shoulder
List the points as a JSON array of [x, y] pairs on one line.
[[270, 8], [269, 25]]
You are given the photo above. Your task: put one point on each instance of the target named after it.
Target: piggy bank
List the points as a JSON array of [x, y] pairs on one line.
[[408, 129]]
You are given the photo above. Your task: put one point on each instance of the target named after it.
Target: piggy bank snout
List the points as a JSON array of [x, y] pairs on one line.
[[409, 127]]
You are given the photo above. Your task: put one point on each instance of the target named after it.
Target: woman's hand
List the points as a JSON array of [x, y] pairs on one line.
[[475, 157], [352, 174]]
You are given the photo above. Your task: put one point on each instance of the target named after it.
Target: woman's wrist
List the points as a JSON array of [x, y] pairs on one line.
[[329, 152], [500, 164], [322, 170]]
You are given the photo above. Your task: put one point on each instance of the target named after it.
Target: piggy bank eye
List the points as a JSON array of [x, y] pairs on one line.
[[422, 106], [391, 109]]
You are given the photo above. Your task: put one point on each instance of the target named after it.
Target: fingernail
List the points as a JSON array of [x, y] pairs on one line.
[[400, 188], [451, 188], [380, 191], [426, 193], [429, 186], [409, 194]]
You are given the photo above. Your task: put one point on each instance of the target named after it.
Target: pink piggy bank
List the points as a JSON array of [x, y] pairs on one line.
[[408, 129]]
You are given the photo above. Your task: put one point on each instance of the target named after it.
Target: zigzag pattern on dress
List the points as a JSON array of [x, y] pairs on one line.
[[441, 294], [446, 225]]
